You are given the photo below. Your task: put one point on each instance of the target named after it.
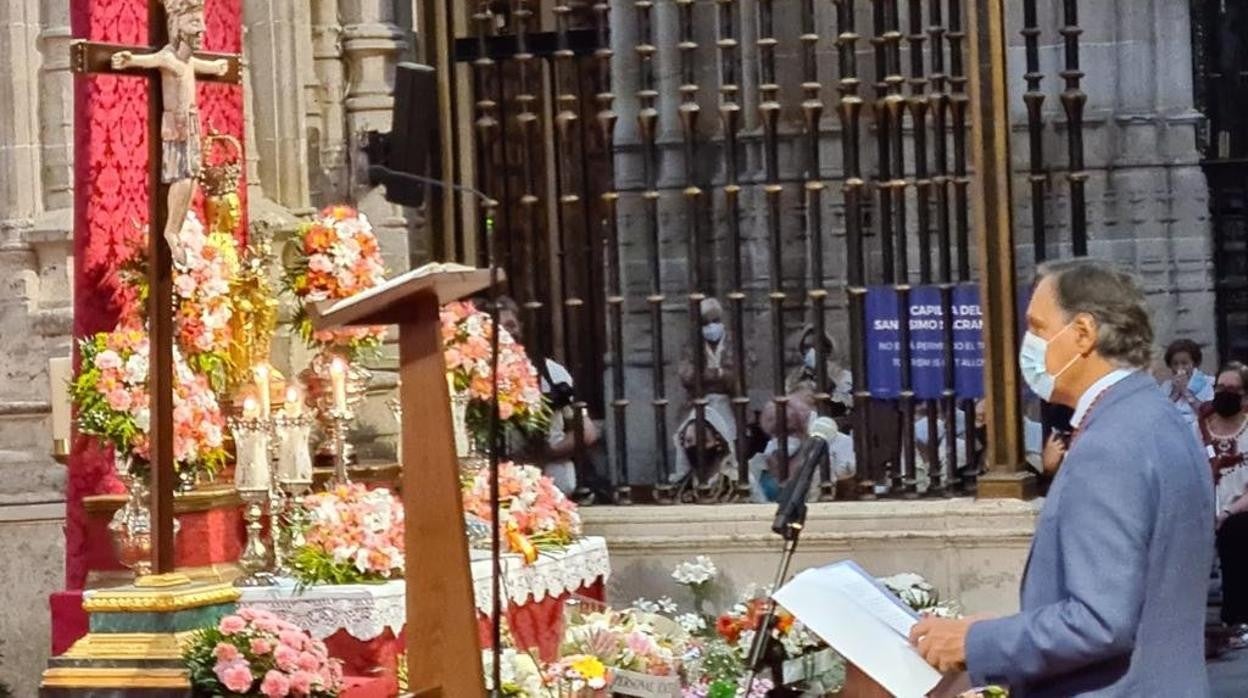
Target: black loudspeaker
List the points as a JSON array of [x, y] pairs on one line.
[[412, 137]]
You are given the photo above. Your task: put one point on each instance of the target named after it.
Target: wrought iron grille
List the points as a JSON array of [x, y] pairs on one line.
[[837, 171]]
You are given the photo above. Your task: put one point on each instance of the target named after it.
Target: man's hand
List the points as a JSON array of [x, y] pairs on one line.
[[1053, 454], [942, 642], [122, 59]]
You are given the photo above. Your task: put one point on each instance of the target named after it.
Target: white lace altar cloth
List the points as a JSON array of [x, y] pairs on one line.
[[576, 566], [366, 611]]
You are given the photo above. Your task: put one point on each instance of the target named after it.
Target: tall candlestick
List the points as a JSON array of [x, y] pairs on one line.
[[338, 377], [263, 386], [294, 405]]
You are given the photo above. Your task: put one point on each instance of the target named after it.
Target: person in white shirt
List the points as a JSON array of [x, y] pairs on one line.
[[769, 470]]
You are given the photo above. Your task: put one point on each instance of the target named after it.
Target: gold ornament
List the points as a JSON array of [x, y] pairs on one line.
[[222, 206]]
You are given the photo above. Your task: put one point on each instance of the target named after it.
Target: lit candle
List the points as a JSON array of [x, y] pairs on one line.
[[262, 385], [338, 377], [450, 383], [249, 408], [293, 406], [59, 370], [259, 478]]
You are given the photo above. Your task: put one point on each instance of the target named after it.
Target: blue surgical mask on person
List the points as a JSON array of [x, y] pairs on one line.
[[808, 359], [1032, 362], [713, 331]]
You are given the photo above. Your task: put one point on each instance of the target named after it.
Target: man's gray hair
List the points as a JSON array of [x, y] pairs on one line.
[[1113, 298]]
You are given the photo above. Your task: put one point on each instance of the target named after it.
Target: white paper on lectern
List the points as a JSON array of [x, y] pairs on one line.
[[860, 621]]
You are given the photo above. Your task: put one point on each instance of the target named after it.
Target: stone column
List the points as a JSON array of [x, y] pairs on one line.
[[330, 169], [371, 45], [56, 106], [273, 45]]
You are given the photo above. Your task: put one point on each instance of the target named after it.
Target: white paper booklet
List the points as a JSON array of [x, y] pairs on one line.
[[862, 621]]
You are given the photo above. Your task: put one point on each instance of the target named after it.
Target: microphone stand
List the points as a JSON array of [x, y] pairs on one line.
[[378, 174], [792, 534], [790, 520]]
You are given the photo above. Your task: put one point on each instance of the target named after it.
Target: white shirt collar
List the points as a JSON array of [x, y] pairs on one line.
[[1092, 393]]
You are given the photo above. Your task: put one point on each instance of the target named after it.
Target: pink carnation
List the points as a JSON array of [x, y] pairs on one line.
[[294, 638], [309, 662], [261, 646], [248, 613], [301, 683], [275, 684], [286, 657], [235, 675], [225, 652], [266, 625], [231, 624]]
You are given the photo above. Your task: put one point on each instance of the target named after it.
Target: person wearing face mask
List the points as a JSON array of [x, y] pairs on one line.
[[719, 451], [804, 378], [1224, 429], [1114, 591]]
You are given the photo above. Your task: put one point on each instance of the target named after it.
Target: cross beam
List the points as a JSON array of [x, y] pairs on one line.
[[89, 57]]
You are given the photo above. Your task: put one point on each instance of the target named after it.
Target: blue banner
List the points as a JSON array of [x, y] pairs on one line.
[[968, 342], [927, 343]]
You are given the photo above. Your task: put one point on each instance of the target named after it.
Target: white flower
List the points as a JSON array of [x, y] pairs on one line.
[[691, 622], [361, 560], [108, 359], [143, 419], [343, 553], [698, 571], [646, 606], [136, 369], [320, 263], [666, 605]]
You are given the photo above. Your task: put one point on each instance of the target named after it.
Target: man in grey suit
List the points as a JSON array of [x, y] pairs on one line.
[[1113, 597]]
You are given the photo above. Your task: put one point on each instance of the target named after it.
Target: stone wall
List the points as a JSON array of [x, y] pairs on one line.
[[972, 552]]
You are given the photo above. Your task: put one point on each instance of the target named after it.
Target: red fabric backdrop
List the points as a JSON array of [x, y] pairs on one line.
[[111, 201]]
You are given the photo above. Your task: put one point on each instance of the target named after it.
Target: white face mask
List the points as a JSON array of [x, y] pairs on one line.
[[1032, 362], [808, 359], [713, 331]]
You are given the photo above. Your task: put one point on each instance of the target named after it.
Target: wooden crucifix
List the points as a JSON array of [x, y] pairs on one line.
[[175, 161]]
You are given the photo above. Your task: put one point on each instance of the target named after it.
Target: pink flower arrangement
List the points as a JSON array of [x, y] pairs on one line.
[[250, 653], [338, 257], [466, 337], [202, 276], [533, 509], [353, 535], [111, 394]]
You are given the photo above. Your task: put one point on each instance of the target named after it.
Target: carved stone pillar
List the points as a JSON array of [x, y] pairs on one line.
[[280, 124], [330, 169], [19, 128], [56, 106], [371, 45]]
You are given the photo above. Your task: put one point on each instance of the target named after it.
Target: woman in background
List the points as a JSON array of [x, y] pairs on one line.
[[1189, 387], [1224, 428]]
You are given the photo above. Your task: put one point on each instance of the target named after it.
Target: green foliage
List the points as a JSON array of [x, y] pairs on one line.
[[315, 566]]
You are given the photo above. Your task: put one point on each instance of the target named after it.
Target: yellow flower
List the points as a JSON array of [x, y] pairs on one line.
[[590, 668]]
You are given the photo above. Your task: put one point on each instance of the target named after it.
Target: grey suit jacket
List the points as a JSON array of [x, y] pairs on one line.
[[1114, 594]]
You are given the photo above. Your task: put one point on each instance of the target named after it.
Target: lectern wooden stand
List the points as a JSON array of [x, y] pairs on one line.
[[443, 650]]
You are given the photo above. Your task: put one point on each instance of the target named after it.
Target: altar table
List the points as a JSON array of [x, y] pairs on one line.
[[362, 624]]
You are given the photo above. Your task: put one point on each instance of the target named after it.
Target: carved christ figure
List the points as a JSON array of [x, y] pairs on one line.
[[181, 156]]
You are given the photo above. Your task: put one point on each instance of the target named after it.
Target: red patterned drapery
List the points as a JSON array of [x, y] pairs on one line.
[[111, 201]]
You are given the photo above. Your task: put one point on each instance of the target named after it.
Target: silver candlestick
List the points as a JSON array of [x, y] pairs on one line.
[[255, 558], [340, 421]]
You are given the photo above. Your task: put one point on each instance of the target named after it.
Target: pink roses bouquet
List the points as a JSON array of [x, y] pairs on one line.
[[110, 391], [466, 337], [255, 653], [335, 256], [353, 535]]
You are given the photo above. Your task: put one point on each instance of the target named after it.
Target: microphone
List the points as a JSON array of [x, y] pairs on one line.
[[791, 504]]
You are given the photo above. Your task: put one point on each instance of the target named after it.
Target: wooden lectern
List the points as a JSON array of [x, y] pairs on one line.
[[443, 650]]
